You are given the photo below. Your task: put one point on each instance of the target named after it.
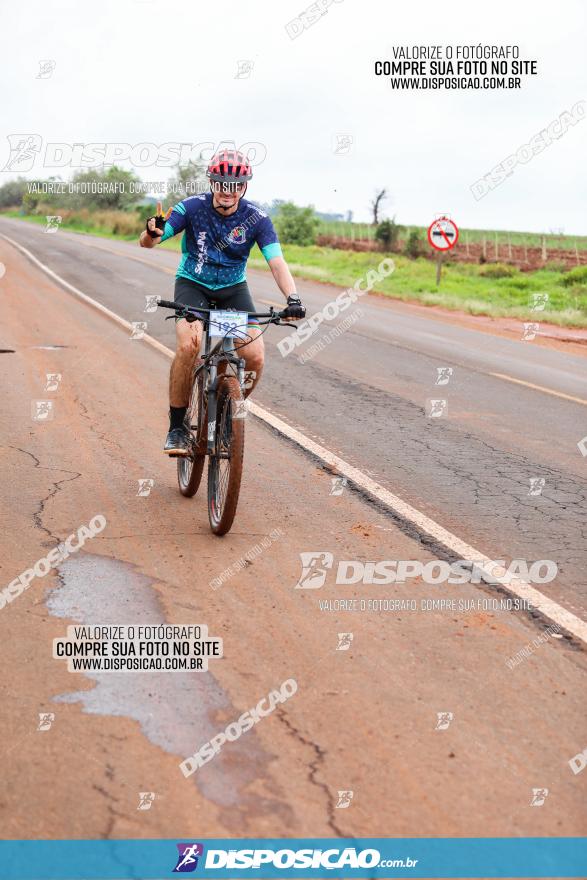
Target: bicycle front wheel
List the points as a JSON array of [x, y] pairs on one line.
[[190, 467], [226, 462]]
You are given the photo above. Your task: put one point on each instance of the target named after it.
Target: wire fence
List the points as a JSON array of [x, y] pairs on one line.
[[473, 244]]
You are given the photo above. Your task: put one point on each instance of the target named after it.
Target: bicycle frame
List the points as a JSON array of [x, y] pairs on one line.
[[223, 352], [218, 361]]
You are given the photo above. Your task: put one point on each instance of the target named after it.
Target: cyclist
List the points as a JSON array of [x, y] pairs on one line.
[[220, 228]]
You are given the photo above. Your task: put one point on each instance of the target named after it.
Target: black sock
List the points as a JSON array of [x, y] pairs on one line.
[[176, 416]]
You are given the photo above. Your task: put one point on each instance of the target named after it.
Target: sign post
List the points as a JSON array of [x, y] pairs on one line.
[[442, 236]]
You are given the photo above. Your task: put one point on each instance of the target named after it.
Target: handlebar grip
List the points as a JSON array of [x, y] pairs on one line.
[[166, 304]]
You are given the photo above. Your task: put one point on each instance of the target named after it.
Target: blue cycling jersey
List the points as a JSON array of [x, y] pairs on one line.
[[215, 249]]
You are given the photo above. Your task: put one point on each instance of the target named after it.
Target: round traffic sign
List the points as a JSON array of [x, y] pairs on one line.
[[443, 234]]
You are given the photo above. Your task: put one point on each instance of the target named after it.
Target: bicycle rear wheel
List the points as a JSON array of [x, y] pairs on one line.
[[190, 467], [226, 463]]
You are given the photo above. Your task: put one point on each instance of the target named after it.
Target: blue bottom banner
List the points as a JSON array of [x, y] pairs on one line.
[[381, 857]]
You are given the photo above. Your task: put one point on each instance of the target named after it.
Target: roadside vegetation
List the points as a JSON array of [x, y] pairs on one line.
[[466, 287], [483, 286]]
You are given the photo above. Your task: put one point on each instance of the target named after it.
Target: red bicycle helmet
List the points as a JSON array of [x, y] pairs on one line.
[[229, 165]]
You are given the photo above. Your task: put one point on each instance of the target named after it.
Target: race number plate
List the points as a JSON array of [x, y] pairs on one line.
[[228, 323]]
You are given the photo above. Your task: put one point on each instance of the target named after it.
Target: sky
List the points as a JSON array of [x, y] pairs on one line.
[[144, 71]]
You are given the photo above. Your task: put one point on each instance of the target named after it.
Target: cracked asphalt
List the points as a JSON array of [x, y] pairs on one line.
[[363, 719]]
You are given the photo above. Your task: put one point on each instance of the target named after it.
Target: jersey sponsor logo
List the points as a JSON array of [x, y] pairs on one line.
[[202, 251], [238, 235]]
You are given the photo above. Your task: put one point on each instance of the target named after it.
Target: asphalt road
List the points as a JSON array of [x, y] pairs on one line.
[[365, 719], [364, 396]]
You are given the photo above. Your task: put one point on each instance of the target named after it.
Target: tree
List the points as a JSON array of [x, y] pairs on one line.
[[376, 205], [34, 196], [12, 193], [387, 234], [296, 225], [413, 246], [189, 180], [101, 189]]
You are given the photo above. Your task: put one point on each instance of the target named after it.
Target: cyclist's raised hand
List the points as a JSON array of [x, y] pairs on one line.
[[156, 225]]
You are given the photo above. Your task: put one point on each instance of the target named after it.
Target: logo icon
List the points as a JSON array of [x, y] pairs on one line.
[[53, 223], [151, 301], [42, 410], [443, 375], [537, 484], [53, 380], [146, 799], [138, 329], [46, 719], [530, 331], [342, 144], [436, 408], [314, 567], [238, 235], [538, 302], [187, 861], [338, 484], [145, 487], [244, 68], [344, 641], [344, 800], [239, 409], [46, 68], [23, 151], [443, 720], [582, 446], [249, 378], [539, 795]]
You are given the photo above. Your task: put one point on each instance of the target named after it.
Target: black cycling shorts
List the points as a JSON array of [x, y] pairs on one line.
[[237, 296]]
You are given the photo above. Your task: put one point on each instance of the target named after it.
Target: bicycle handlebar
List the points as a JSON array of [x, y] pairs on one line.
[[180, 307]]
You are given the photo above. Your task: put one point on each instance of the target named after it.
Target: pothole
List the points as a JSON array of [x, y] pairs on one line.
[[177, 711]]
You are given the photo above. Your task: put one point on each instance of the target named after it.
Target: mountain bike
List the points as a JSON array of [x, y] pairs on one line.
[[215, 417]]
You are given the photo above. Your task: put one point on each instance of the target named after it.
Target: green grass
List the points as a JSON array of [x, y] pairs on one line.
[[464, 286]]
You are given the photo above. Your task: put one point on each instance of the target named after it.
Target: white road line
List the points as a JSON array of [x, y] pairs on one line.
[[487, 568], [83, 296]]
